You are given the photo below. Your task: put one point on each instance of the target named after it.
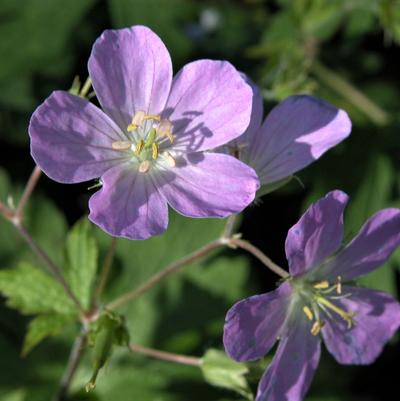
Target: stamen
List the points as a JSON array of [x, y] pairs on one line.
[[171, 161], [121, 145], [154, 150], [137, 120], [321, 285], [151, 117], [347, 317], [144, 166], [139, 147], [339, 285], [308, 313], [316, 327], [164, 128]]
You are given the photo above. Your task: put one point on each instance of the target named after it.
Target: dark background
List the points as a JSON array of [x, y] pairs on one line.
[[343, 51]]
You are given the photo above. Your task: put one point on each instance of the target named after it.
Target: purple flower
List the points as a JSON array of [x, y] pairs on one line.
[[148, 144], [355, 323], [295, 133]]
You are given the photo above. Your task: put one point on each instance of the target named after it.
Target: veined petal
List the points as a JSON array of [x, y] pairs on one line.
[[377, 240], [294, 134], [377, 318], [253, 324], [71, 139], [289, 376], [209, 105], [208, 185], [318, 233], [131, 71], [129, 205]]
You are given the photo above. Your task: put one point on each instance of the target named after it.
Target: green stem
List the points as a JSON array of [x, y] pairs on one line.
[[165, 356], [169, 270], [247, 246], [351, 93]]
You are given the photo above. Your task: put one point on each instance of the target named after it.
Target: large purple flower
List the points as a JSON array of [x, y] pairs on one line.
[[148, 144], [355, 323], [295, 133]]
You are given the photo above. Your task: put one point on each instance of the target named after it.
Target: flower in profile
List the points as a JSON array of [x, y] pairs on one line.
[[295, 133], [148, 142], [316, 300]]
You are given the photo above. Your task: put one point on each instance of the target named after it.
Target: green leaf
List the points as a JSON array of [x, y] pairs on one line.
[[15, 395], [221, 371], [81, 260], [41, 327], [32, 291]]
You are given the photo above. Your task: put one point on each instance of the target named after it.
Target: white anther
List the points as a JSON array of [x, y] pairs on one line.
[[171, 161], [121, 145], [144, 166]]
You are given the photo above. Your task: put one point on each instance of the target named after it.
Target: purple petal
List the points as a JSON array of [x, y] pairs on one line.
[[289, 376], [129, 205], [295, 133], [209, 105], [71, 139], [257, 111], [317, 234], [209, 185], [377, 240], [131, 70], [377, 319], [253, 324]]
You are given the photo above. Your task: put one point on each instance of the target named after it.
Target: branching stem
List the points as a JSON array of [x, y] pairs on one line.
[[165, 356], [247, 246], [169, 270]]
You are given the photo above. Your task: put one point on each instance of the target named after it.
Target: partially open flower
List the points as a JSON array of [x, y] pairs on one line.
[[295, 133], [148, 143], [354, 322]]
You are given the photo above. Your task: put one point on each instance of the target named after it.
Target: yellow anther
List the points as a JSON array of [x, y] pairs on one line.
[[139, 147], [321, 285], [164, 128], [151, 117], [171, 161], [121, 145], [137, 120], [144, 166], [339, 285], [316, 327], [154, 150], [347, 317], [307, 311]]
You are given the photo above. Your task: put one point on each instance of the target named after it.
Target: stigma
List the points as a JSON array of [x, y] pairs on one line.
[[321, 298]]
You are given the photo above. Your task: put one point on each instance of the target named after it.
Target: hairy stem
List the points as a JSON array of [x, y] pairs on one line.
[[29, 187], [74, 359], [53, 268], [230, 226], [351, 93], [165, 356], [169, 270], [105, 270], [247, 246]]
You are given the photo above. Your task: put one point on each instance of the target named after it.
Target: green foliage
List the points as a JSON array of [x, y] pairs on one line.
[[221, 371], [81, 261], [43, 326], [106, 332], [32, 291]]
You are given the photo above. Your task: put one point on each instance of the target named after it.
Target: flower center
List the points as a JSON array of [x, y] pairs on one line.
[[320, 297], [146, 135]]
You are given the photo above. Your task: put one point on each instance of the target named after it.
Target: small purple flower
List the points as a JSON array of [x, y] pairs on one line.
[[148, 145], [295, 133], [355, 323]]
